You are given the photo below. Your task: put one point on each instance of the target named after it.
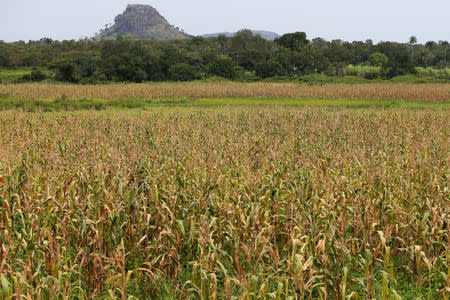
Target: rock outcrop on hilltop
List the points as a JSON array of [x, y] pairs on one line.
[[141, 22]]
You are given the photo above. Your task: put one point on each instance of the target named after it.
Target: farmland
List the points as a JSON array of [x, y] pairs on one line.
[[375, 91], [211, 191], [146, 162]]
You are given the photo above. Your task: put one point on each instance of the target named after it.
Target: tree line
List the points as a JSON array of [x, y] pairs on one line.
[[245, 56]]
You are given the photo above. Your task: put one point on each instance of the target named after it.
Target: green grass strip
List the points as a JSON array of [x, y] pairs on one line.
[[101, 104]]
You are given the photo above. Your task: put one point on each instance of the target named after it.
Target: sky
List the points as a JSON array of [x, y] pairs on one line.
[[349, 20]]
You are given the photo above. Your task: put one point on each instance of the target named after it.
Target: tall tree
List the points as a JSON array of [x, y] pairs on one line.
[[431, 45], [445, 44], [247, 49], [293, 41], [197, 40], [222, 42], [412, 42], [338, 55]]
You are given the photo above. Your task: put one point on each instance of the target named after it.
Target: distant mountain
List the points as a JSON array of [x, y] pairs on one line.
[[141, 22], [268, 35]]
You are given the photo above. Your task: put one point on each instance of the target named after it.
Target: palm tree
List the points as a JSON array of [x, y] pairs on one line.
[[445, 44], [412, 42], [222, 42], [430, 46]]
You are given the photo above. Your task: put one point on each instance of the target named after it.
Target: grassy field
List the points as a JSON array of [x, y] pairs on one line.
[[7, 75], [257, 202], [48, 105], [375, 91]]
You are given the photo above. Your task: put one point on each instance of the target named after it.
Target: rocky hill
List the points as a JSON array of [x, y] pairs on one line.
[[141, 22]]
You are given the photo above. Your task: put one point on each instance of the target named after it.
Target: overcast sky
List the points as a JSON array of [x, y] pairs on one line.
[[392, 20]]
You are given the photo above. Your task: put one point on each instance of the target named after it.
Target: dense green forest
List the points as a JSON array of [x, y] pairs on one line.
[[244, 57]]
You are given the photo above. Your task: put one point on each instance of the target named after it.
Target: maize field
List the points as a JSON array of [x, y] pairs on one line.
[[254, 203], [374, 91]]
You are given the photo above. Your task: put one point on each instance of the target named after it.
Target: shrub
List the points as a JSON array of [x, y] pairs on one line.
[[369, 72], [182, 72], [223, 67], [280, 79], [399, 64], [245, 76], [216, 79], [351, 80], [372, 76], [432, 72], [408, 79], [96, 78], [248, 77], [140, 75], [24, 78], [269, 68], [67, 70], [38, 76], [34, 76], [418, 79], [378, 59], [316, 79]]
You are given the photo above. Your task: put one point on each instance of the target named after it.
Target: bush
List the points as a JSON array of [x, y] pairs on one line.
[[418, 79], [140, 75], [432, 72], [67, 70], [269, 68], [37, 76], [368, 72], [351, 80], [372, 76], [408, 79], [324, 79], [243, 75], [34, 76], [247, 76], [24, 78], [280, 79], [96, 78], [378, 59], [182, 72], [316, 79], [216, 79], [223, 67], [399, 64]]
